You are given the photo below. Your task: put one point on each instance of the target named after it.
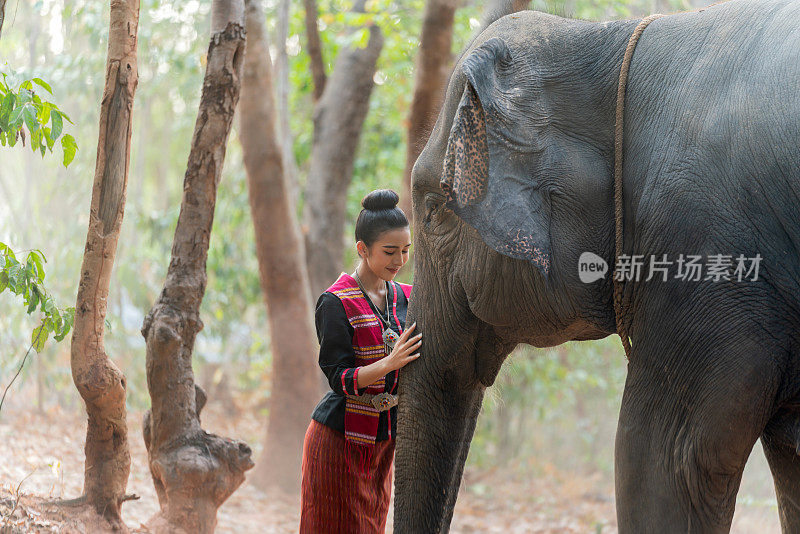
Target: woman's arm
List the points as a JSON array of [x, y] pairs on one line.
[[337, 359]]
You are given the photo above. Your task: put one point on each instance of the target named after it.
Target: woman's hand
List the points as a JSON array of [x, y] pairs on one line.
[[404, 350]]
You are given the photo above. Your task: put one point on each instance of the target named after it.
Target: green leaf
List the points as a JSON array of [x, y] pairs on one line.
[[70, 148], [42, 83], [3, 281], [15, 276], [46, 132], [30, 120], [56, 317], [50, 306], [25, 96], [69, 319], [30, 271], [39, 254], [44, 113], [57, 123], [5, 109], [15, 118], [34, 299], [39, 336]]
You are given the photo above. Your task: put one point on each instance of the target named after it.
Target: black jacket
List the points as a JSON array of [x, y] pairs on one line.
[[337, 357]]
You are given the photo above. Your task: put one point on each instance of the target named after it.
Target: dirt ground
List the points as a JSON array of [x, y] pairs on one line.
[[41, 457]]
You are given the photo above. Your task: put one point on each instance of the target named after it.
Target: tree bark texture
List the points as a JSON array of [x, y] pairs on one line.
[[282, 269], [193, 472], [433, 68], [338, 120], [314, 48], [99, 381]]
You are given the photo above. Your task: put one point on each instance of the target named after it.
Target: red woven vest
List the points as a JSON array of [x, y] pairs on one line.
[[361, 418]]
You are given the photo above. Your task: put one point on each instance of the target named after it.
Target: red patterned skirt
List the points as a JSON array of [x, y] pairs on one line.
[[336, 499]]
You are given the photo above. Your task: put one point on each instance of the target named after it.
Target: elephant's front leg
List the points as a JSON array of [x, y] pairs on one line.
[[686, 428]]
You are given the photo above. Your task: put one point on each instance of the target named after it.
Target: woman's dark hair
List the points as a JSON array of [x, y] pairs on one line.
[[380, 214]]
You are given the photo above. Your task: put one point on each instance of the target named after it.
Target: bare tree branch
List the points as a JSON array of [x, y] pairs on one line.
[[315, 48], [338, 121]]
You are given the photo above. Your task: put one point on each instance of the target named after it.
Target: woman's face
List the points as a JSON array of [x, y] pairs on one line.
[[388, 253]]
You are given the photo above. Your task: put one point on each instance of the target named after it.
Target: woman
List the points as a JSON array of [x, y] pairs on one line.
[[349, 444]]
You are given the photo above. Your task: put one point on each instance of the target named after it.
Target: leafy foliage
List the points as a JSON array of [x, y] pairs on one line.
[[21, 108], [58, 41], [27, 280]]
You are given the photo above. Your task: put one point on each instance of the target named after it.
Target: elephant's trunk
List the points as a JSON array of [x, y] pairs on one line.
[[436, 420]]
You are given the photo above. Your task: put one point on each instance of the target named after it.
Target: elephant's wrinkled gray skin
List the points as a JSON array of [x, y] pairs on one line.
[[523, 148]]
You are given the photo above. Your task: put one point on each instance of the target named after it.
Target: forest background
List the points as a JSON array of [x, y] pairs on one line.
[[551, 411]]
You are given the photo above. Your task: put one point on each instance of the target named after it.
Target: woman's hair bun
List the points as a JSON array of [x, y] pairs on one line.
[[380, 214], [380, 199]]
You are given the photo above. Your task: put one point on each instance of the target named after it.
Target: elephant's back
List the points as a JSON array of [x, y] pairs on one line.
[[711, 129], [713, 103]]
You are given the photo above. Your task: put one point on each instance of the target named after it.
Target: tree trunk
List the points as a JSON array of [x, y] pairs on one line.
[[433, 69], [282, 88], [338, 120], [434, 64], [194, 472], [2, 15], [314, 48], [100, 383], [495, 9], [281, 261]]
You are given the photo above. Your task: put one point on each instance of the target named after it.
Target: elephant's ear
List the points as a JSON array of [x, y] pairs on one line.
[[486, 183]]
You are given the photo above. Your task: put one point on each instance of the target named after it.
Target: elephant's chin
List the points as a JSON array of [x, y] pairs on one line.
[[577, 331]]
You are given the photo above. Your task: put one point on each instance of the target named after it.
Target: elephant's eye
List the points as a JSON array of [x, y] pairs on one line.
[[431, 205], [438, 220]]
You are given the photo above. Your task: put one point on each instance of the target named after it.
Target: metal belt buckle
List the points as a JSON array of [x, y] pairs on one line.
[[382, 402]]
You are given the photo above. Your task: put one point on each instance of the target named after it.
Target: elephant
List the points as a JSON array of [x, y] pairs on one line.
[[515, 184]]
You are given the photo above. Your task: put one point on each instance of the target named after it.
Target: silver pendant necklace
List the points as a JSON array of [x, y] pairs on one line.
[[390, 337]]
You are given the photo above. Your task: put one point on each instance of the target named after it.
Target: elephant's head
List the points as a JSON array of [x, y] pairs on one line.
[[512, 186]]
